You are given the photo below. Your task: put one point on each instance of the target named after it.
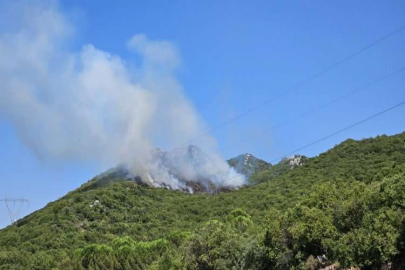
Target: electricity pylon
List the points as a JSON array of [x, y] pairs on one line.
[[14, 213]]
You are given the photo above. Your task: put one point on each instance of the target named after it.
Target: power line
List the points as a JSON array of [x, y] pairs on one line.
[[335, 133], [356, 90], [340, 131], [308, 79]]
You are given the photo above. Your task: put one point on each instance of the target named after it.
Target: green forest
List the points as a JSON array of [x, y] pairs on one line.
[[345, 207]]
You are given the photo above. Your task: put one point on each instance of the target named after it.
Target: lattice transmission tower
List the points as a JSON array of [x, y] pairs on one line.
[[14, 207]]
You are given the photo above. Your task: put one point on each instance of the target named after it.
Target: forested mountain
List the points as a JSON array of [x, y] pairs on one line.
[[251, 167], [344, 207], [285, 165]]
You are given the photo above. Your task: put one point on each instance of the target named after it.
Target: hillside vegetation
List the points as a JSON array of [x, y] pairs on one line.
[[346, 206]]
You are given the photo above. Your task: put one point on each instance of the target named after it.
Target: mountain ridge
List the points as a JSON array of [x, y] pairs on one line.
[[245, 164]]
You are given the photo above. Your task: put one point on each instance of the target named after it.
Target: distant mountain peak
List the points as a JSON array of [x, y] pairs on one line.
[[247, 164]]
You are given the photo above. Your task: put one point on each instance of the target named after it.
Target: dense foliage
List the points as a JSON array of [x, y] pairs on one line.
[[346, 206]]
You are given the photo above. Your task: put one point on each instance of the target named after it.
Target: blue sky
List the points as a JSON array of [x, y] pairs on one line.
[[235, 54]]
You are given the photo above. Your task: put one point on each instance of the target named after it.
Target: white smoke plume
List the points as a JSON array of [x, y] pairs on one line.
[[92, 105]]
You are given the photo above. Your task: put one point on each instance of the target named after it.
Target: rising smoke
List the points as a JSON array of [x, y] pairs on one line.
[[91, 105]]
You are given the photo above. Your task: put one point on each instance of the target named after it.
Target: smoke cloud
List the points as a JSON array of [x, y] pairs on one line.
[[92, 105]]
